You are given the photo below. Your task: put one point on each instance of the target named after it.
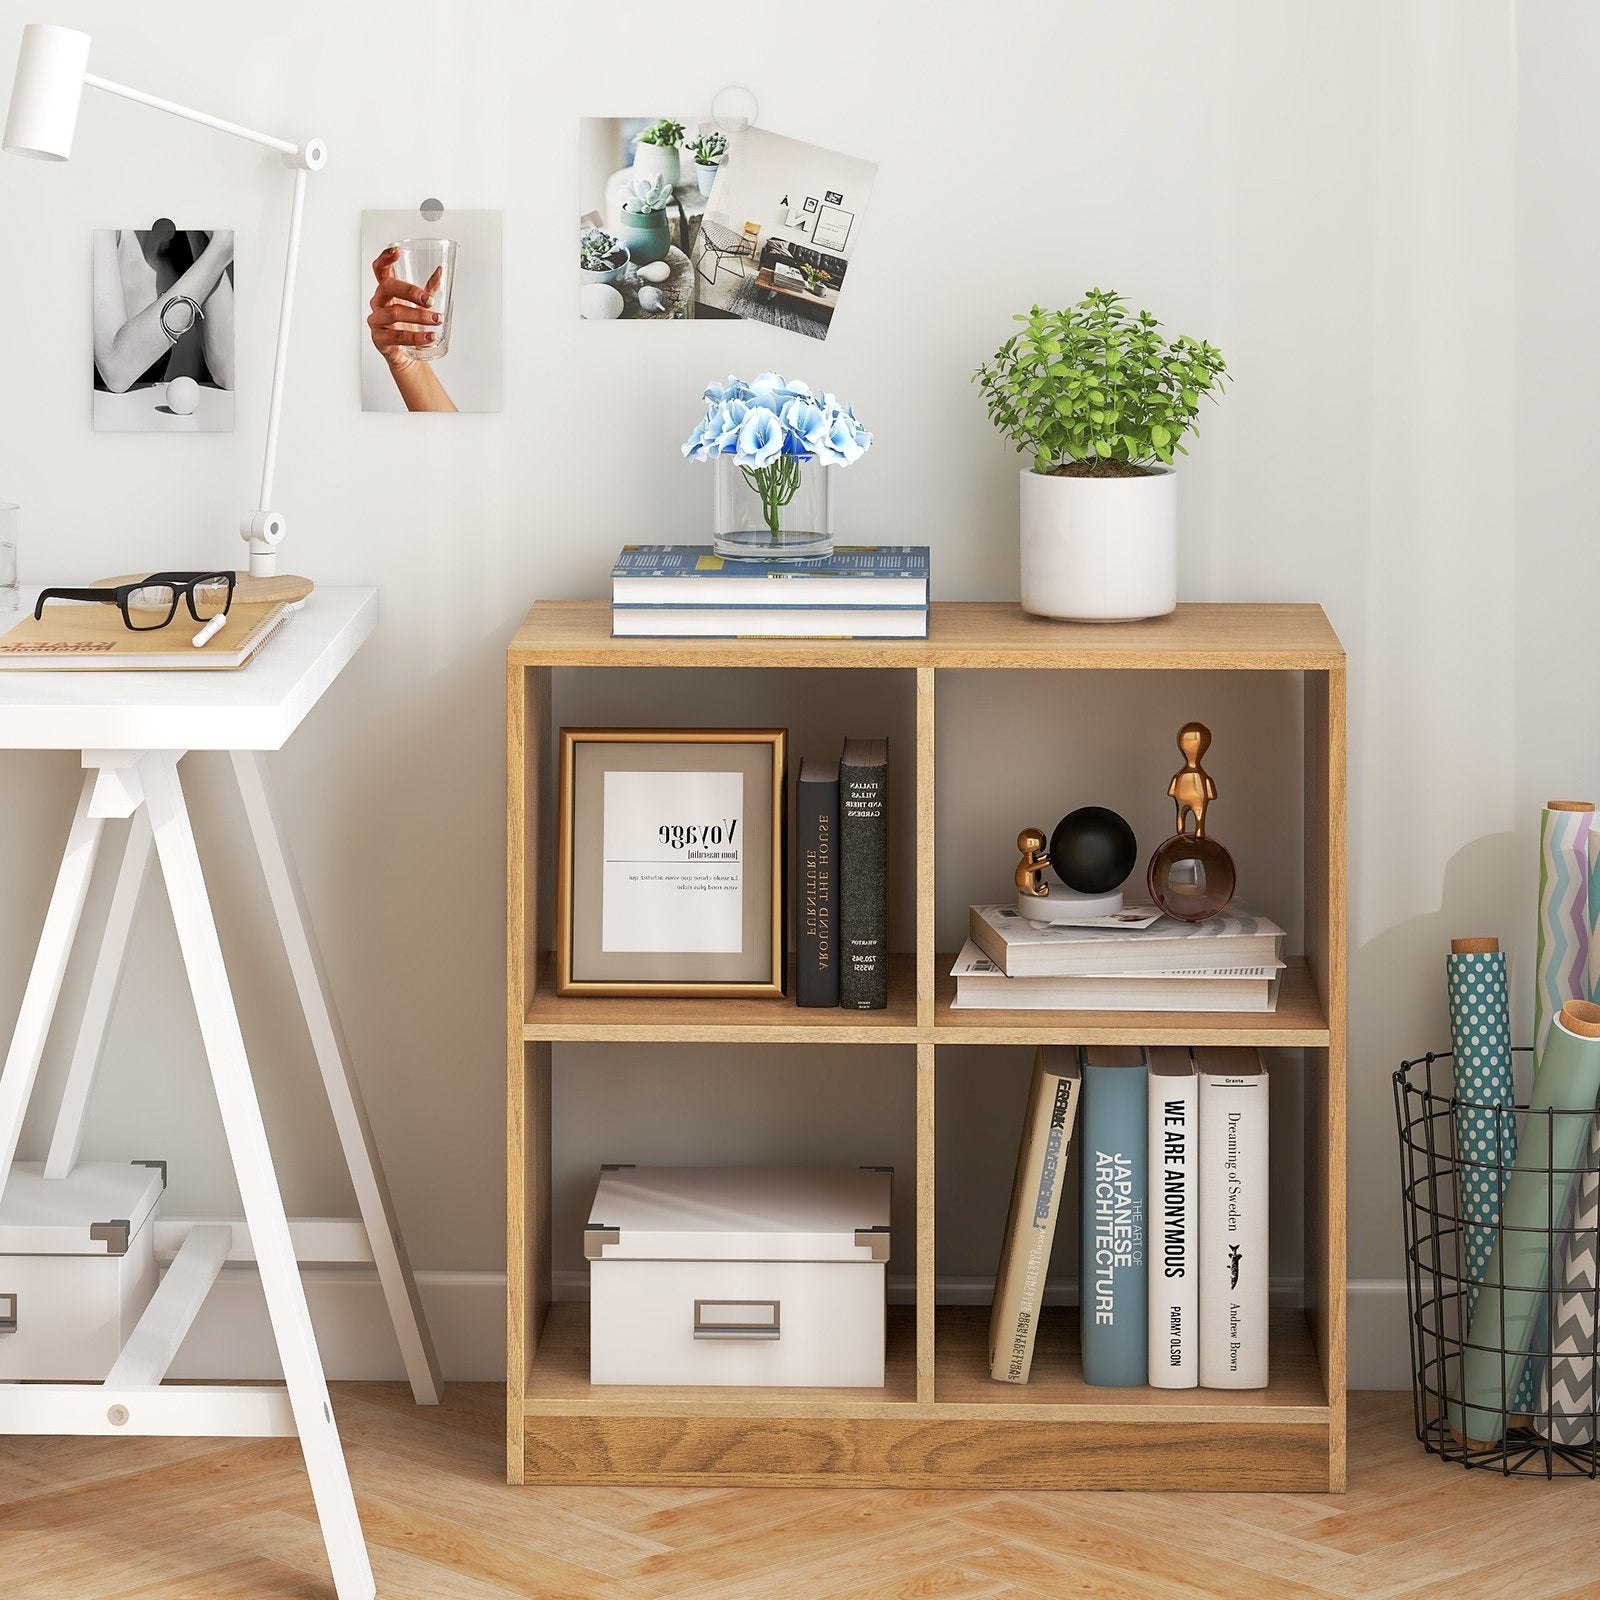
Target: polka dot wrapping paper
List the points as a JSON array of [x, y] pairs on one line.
[[1486, 1137]]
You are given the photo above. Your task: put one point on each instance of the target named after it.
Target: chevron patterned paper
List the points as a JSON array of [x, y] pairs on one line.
[[1567, 1391]]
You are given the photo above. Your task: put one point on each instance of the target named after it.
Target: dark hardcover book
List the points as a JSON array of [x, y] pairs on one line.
[[864, 875], [816, 883]]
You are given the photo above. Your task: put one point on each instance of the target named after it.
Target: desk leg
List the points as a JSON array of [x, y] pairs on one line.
[[258, 1184], [49, 966], [91, 1046], [339, 1078]]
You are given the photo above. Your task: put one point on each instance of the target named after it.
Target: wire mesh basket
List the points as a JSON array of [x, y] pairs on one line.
[[1484, 1391]]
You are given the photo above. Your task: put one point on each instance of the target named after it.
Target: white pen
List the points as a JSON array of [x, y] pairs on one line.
[[210, 631]]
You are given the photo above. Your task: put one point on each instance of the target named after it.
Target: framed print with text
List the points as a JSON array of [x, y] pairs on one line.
[[670, 879]]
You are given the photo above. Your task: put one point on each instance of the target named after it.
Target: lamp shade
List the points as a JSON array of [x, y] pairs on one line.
[[46, 92]]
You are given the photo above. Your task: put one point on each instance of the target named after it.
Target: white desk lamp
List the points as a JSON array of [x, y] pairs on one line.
[[51, 73]]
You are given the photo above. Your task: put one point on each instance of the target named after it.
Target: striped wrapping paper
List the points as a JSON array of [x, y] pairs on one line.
[[1563, 933], [1567, 1388]]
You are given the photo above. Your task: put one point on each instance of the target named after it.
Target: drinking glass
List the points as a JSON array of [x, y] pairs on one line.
[[10, 520], [420, 260]]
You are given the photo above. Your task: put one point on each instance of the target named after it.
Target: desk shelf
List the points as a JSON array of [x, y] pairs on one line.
[[939, 1421]]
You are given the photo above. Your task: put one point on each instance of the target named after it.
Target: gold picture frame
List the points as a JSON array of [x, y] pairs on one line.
[[638, 892]]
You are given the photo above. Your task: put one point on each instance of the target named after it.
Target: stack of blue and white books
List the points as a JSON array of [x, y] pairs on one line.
[[689, 591]]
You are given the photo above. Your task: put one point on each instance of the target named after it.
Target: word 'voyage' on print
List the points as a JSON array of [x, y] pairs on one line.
[[673, 862]]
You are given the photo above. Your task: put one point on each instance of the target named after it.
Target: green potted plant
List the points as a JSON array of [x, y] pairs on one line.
[[1101, 401], [655, 152], [817, 280], [708, 151], [601, 256], [642, 226]]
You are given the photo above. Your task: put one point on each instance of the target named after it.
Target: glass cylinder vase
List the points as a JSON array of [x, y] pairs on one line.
[[782, 512]]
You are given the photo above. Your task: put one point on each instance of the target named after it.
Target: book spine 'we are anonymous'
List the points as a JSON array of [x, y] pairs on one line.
[[1233, 1218], [816, 898], [864, 875], [1036, 1198], [1174, 1231], [1113, 1314]]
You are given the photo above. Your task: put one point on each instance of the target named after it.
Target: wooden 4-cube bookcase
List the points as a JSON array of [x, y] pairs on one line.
[[939, 1421]]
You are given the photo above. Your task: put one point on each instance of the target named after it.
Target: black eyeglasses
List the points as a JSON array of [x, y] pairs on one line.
[[153, 602]]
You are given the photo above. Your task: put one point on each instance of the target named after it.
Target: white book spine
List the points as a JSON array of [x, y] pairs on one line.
[[1174, 1231], [1233, 1229]]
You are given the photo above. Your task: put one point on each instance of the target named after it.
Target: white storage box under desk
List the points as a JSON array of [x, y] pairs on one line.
[[754, 1276], [77, 1267]]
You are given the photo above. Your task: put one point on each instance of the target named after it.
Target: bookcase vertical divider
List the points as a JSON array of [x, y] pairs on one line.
[[923, 846], [926, 1275]]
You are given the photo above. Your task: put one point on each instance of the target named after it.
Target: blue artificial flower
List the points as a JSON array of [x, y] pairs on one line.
[[698, 446], [729, 419], [841, 445], [718, 393], [761, 439], [803, 422], [772, 416]]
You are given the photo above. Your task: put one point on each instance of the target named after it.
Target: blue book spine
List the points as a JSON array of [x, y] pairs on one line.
[[701, 561], [1114, 1272]]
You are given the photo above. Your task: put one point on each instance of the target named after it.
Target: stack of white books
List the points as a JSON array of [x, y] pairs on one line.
[[1140, 962], [689, 591]]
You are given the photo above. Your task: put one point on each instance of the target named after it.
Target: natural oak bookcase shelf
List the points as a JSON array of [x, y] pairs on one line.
[[939, 1421]]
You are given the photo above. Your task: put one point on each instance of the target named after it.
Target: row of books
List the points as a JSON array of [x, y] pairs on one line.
[[842, 878], [1136, 961], [689, 591], [1173, 1162]]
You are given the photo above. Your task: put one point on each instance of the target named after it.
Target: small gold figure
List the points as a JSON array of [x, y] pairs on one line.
[[1192, 788], [1029, 875]]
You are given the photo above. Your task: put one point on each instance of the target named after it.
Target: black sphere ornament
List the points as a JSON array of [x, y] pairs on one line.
[[1093, 850]]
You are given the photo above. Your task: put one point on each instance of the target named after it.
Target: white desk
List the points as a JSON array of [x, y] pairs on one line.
[[133, 728]]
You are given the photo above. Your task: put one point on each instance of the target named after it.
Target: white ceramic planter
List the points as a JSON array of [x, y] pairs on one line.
[[657, 161], [1100, 549]]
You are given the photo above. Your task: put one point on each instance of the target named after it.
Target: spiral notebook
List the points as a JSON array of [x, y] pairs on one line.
[[92, 638]]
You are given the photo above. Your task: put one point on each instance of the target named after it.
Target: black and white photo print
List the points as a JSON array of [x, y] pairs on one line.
[[163, 329]]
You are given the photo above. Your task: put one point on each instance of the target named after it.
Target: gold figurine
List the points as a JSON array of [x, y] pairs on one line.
[[1029, 875], [1191, 788], [1191, 876]]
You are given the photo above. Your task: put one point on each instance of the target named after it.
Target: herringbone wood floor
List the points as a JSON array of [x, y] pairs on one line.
[[85, 1519]]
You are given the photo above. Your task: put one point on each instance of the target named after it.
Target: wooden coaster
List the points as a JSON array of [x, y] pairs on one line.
[[283, 589]]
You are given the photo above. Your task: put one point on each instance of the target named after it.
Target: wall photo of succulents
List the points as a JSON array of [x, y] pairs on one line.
[[643, 185]]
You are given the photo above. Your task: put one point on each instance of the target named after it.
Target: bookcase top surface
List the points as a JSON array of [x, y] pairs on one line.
[[963, 634]]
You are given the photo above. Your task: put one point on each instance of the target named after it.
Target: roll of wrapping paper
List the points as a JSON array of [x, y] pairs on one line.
[[1500, 1336], [1486, 1136], [1563, 935], [1567, 1388]]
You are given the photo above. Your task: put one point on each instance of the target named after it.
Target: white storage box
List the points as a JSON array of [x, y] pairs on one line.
[[77, 1267], [768, 1276]]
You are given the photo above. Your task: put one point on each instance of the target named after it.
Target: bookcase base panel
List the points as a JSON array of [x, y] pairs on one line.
[[926, 1451]]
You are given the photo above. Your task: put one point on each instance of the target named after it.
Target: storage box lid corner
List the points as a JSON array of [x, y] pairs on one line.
[[740, 1214], [97, 1210]]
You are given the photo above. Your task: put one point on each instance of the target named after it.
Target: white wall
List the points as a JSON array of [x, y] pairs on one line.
[[1327, 192]]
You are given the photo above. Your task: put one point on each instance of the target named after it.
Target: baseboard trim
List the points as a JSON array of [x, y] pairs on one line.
[[231, 1340]]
